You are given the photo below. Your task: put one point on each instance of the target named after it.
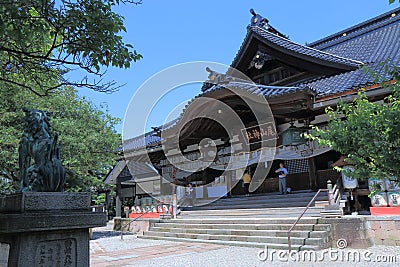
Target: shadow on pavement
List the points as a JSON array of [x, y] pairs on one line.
[[105, 234]]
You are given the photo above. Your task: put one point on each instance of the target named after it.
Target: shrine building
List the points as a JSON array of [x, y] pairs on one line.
[[298, 81]]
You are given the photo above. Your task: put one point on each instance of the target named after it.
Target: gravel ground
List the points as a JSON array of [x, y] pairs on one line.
[[238, 256], [242, 256]]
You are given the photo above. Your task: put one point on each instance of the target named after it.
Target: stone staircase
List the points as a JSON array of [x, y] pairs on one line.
[[250, 232], [271, 200], [256, 221]]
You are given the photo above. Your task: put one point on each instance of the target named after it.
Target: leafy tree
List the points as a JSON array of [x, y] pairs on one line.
[[87, 135], [42, 38], [367, 133]]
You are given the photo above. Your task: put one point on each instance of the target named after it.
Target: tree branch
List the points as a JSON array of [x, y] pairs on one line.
[[22, 85]]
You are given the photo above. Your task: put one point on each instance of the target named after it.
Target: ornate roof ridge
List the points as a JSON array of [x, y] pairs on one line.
[[251, 84], [350, 61]]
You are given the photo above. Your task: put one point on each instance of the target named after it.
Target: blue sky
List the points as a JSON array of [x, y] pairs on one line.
[[176, 31]]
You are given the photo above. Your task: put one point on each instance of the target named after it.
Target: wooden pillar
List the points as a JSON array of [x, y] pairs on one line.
[[204, 178], [357, 205], [174, 201], [312, 173], [228, 178]]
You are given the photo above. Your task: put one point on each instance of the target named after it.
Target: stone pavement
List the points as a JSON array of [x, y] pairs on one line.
[[107, 249], [128, 257]]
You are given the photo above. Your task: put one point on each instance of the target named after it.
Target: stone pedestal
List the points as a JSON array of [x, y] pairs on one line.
[[46, 229]]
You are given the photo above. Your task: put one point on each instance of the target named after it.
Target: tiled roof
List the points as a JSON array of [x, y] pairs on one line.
[[141, 141], [371, 46], [149, 139], [373, 41], [302, 49], [357, 30], [259, 89], [345, 81]]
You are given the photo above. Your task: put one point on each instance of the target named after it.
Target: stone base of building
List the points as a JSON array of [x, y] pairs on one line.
[[384, 230], [348, 232], [46, 229], [364, 231], [135, 226]]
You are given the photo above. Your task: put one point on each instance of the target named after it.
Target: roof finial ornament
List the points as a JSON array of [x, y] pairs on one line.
[[212, 75], [258, 20], [215, 78]]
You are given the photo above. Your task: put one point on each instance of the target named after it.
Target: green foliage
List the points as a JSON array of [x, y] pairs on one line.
[[367, 133], [6, 187], [86, 134], [45, 37], [100, 199]]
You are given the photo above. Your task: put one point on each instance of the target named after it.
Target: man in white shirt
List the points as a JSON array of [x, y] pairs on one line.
[[282, 172]]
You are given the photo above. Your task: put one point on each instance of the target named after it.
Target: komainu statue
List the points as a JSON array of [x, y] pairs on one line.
[[39, 155]]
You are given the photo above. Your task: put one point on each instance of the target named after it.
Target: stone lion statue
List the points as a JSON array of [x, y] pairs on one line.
[[39, 155]]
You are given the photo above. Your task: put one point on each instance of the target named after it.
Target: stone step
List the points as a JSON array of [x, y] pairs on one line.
[[321, 203], [261, 201], [281, 226], [306, 193], [278, 199], [273, 212], [331, 213], [319, 234], [236, 243], [322, 227], [255, 221], [265, 197], [248, 232], [247, 227], [317, 241], [248, 202], [260, 216], [242, 238], [256, 209], [247, 220], [248, 205]]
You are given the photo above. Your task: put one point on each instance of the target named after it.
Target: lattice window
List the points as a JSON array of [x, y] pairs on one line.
[[297, 165]]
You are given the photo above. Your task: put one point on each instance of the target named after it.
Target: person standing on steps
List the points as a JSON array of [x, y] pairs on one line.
[[190, 194], [282, 172], [246, 182]]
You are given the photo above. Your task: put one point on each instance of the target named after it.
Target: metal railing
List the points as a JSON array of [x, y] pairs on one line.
[[334, 197], [301, 215]]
